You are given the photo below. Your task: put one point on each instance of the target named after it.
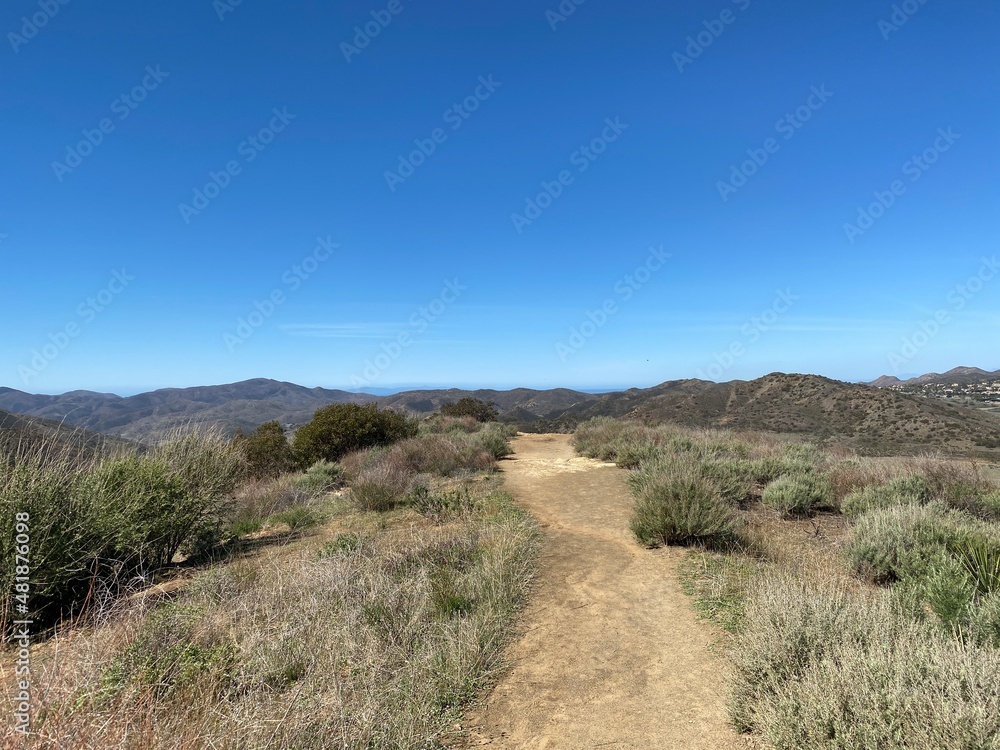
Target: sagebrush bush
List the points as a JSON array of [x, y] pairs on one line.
[[254, 502], [731, 476], [825, 669], [912, 490], [440, 424], [798, 494], [677, 505], [904, 541]]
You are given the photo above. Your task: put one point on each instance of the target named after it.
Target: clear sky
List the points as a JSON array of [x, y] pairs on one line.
[[602, 194]]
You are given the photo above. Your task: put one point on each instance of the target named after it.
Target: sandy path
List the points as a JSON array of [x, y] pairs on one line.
[[612, 655]]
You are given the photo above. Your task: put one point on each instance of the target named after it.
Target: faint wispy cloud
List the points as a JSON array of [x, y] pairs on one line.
[[338, 330]]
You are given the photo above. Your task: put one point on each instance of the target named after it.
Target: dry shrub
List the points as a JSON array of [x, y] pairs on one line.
[[368, 645], [381, 482], [820, 668], [443, 455]]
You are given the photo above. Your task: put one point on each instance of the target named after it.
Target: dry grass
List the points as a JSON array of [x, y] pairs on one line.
[[373, 637]]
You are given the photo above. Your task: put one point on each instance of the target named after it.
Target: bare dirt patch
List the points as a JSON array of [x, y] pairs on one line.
[[612, 654]]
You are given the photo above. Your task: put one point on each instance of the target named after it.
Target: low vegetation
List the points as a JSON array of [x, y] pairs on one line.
[[358, 603], [861, 596], [101, 523]]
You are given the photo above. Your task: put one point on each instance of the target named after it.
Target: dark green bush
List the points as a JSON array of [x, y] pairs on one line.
[[481, 411], [267, 450], [339, 429]]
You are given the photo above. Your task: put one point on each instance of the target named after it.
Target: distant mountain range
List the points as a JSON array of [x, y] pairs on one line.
[[958, 375], [250, 403], [881, 420]]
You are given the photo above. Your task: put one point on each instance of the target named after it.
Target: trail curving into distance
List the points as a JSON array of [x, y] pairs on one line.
[[611, 654]]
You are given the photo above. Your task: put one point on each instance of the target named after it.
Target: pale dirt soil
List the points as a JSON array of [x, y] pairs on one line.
[[611, 653]]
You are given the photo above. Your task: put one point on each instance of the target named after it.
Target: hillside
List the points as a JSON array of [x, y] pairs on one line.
[[955, 376], [20, 434], [250, 403], [878, 420], [871, 419]]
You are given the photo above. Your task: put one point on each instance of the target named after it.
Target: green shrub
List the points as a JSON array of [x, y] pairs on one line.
[[679, 506], [912, 490], [630, 454], [322, 476], [798, 494], [821, 669], [495, 439], [339, 429], [171, 652], [481, 411], [344, 544], [267, 451], [96, 524], [977, 501], [440, 505]]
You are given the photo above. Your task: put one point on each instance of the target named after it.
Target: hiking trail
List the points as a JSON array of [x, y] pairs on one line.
[[610, 653]]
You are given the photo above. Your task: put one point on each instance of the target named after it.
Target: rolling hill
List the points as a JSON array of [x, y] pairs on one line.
[[246, 405], [877, 420]]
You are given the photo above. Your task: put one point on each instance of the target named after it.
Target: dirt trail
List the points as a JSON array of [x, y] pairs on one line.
[[611, 655]]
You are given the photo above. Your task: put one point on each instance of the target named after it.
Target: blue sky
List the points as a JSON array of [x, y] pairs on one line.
[[495, 194]]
